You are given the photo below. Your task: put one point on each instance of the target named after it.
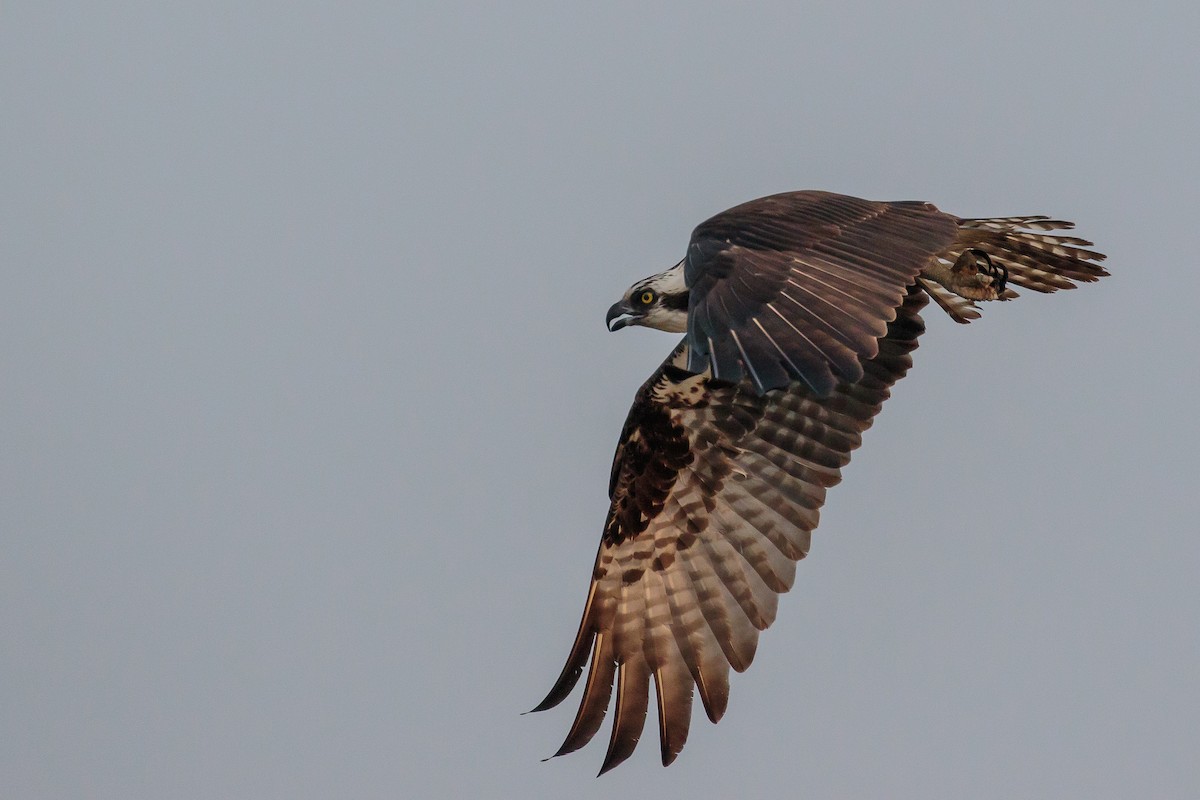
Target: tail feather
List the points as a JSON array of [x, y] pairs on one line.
[[1035, 260], [1036, 222]]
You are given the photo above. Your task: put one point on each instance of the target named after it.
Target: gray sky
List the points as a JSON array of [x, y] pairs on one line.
[[309, 408]]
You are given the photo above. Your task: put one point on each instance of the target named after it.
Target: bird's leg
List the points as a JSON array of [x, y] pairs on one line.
[[997, 272], [974, 275]]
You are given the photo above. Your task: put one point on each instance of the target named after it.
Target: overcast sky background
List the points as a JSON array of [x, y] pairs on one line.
[[308, 406]]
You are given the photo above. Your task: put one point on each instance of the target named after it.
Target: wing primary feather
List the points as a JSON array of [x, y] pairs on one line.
[[672, 681], [633, 697], [809, 312], [747, 361], [729, 367], [712, 363], [697, 640], [826, 385], [877, 328], [577, 658], [795, 370], [673, 690], [595, 697], [840, 332]]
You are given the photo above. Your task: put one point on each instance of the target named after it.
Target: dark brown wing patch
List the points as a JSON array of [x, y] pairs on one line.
[[801, 285], [653, 450]]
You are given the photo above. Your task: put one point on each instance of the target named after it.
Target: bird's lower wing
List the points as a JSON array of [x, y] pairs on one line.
[[715, 493]]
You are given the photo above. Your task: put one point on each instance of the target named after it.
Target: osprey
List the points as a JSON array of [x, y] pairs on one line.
[[800, 311]]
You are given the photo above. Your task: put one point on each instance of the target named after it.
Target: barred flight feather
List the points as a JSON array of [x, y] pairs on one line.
[[802, 311], [691, 589]]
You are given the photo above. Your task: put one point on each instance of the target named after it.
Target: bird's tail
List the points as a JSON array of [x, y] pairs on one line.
[[1021, 248]]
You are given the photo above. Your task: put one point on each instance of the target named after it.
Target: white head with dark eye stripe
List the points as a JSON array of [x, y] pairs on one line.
[[660, 301]]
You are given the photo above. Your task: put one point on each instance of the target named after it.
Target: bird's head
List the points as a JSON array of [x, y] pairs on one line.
[[660, 301]]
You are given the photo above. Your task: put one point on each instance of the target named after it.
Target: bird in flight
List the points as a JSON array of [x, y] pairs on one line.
[[800, 311]]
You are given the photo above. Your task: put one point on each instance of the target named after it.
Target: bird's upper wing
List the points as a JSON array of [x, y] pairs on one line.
[[715, 492], [802, 285]]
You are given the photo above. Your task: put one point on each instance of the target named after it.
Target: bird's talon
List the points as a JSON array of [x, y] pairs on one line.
[[997, 272]]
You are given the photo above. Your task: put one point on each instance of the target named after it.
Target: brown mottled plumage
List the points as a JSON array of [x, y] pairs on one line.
[[803, 310]]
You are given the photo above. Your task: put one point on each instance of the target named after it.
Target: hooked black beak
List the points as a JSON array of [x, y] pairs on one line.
[[618, 316]]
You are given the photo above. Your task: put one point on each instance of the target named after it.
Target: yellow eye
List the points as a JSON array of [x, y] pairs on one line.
[[646, 298]]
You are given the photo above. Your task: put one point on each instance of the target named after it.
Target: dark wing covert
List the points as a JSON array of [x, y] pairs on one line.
[[801, 285]]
